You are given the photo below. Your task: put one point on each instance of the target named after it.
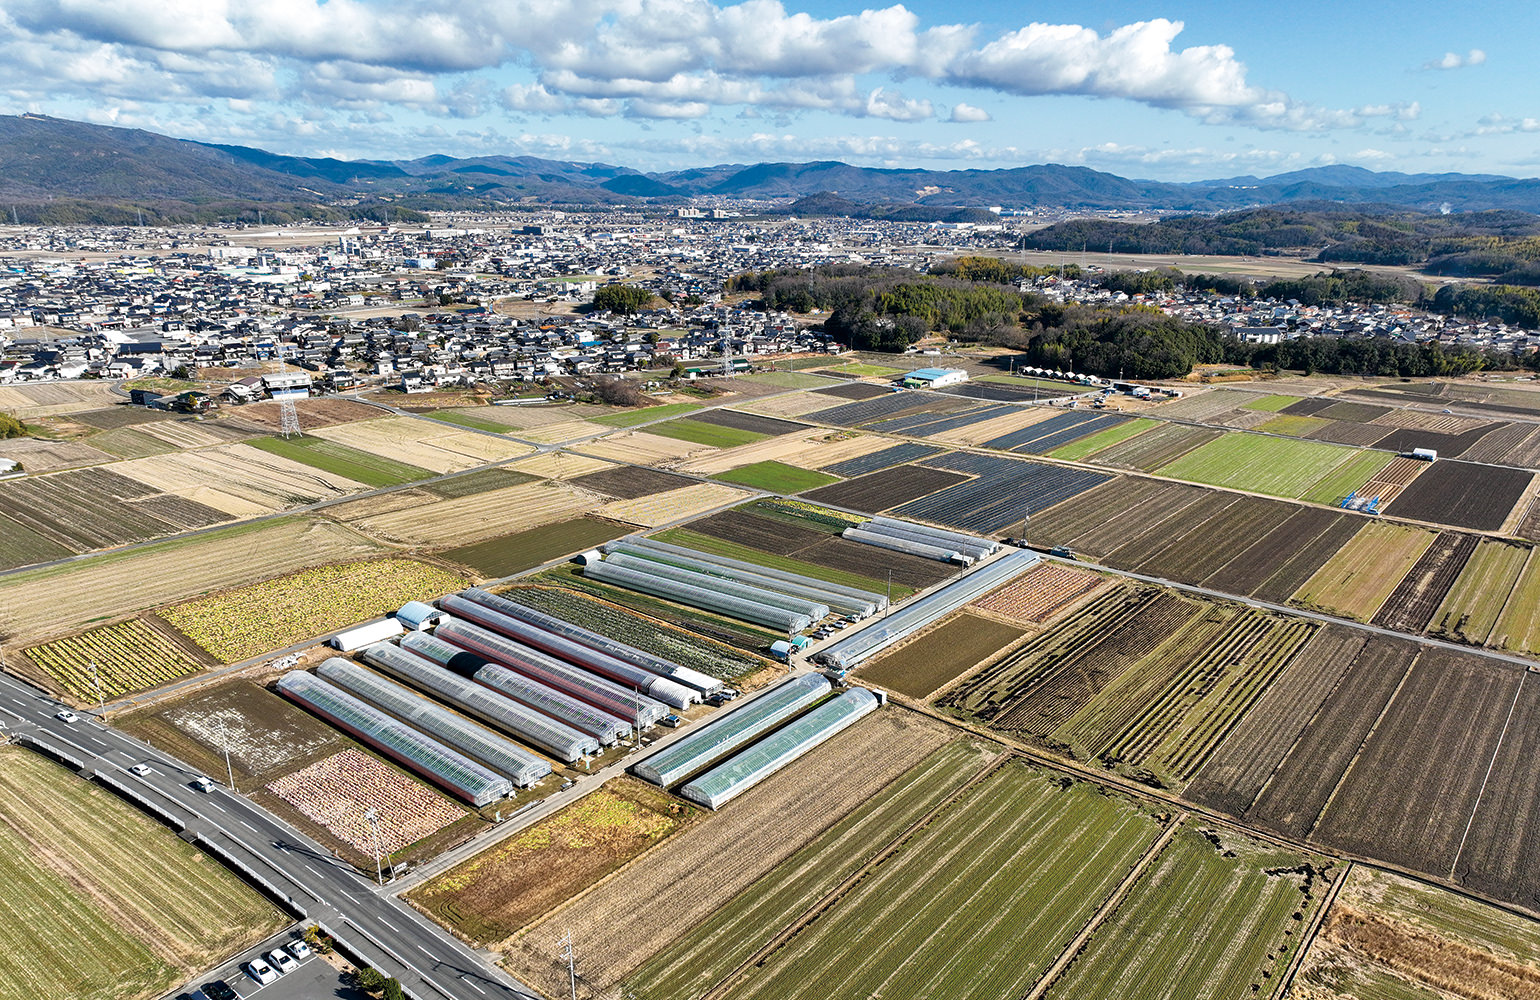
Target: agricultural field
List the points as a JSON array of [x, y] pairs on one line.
[[556, 465], [1419, 595], [475, 419], [37, 455], [748, 422], [647, 414], [1463, 495], [237, 479], [700, 432], [1518, 627], [1348, 478], [952, 895], [314, 413], [1012, 419], [877, 461], [490, 897], [1079, 450], [1270, 404], [674, 505], [341, 460], [506, 555], [468, 519], [1259, 464], [122, 658], [472, 483], [21, 546], [127, 442], [1476, 597], [738, 634], [1161, 446], [265, 734], [425, 444], [28, 402], [739, 844], [60, 600], [854, 390], [336, 791], [733, 550], [93, 508], [1292, 425], [1040, 594], [642, 447], [261, 617], [101, 903], [1002, 491], [939, 655], [786, 380], [881, 490], [805, 451], [1357, 580], [627, 482], [776, 477], [1388, 935], [1217, 915], [649, 634]]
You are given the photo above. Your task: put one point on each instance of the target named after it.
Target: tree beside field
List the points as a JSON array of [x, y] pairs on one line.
[[11, 427]]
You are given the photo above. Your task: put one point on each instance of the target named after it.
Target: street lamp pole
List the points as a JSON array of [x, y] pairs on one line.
[[374, 831], [229, 771]]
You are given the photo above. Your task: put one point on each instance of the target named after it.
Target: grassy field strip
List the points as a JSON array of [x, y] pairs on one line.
[[1474, 605], [342, 460], [700, 432], [1356, 581], [1307, 941], [1276, 466], [948, 909], [630, 418], [1270, 404], [1347, 478], [776, 477], [1518, 626], [1076, 451]]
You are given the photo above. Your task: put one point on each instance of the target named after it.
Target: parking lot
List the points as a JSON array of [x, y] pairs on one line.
[[315, 977]]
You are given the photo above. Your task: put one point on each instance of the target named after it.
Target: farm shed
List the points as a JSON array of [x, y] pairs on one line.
[[934, 378], [447, 768], [533, 727], [705, 598], [603, 643], [971, 545], [518, 765], [925, 550], [485, 610], [845, 600], [364, 635], [416, 616], [723, 735], [881, 634], [749, 767], [602, 693]]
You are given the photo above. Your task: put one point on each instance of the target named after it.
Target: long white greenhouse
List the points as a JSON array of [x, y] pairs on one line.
[[722, 736], [815, 610], [517, 764], [884, 632], [450, 769], [925, 550], [699, 597], [527, 724], [853, 597], [749, 767], [804, 589], [957, 539]]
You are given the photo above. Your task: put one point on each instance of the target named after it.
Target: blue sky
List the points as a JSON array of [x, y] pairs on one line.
[[1178, 91]]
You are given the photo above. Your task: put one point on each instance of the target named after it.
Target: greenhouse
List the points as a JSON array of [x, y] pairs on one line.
[[854, 594], [815, 610], [722, 736], [749, 767], [583, 717], [925, 550], [453, 771], [517, 764], [971, 544], [626, 674], [602, 693], [527, 724], [699, 597], [443, 653], [753, 576], [881, 634], [593, 640]]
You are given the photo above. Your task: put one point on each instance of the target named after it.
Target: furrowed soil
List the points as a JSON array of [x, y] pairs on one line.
[[934, 658], [1463, 495], [881, 490], [506, 555], [1411, 605]]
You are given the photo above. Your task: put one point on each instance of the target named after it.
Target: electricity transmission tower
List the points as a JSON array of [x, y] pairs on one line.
[[288, 418], [566, 953]]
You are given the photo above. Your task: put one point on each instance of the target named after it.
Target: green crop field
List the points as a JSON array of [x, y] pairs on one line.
[[788, 380], [1290, 424], [630, 418], [860, 370], [1092, 443], [776, 477], [1275, 466], [1471, 609], [21, 546], [714, 435], [1518, 628], [101, 903], [471, 420], [509, 554], [979, 903], [1200, 924], [329, 456], [1358, 579], [1270, 404], [734, 550], [1348, 477]]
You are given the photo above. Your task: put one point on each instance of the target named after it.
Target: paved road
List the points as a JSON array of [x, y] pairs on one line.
[[382, 929]]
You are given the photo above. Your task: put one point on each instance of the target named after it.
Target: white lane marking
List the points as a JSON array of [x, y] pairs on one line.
[[70, 743], [473, 985], [392, 926], [427, 952], [311, 870], [249, 826]]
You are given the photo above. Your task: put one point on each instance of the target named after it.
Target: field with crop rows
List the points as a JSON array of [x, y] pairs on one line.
[[261, 617], [1292, 425], [1476, 597], [494, 894], [643, 448], [102, 903], [127, 656], [1259, 464], [423, 443], [469, 519], [89, 509], [21, 546], [885, 458], [238, 479], [649, 634], [674, 505], [336, 791], [738, 845], [359, 466], [979, 903], [506, 555], [1153, 449], [805, 451], [1349, 478], [700, 432], [61, 600], [934, 658], [752, 422], [1079, 450], [627, 482], [38, 455], [741, 635], [472, 483], [733, 550], [27, 402], [1463, 494], [1357, 580], [775, 477], [1411, 606], [1002, 491], [1216, 916], [1041, 593], [647, 414], [878, 491]]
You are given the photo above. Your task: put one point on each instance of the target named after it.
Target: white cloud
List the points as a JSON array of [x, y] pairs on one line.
[[1454, 60], [962, 112], [890, 104]]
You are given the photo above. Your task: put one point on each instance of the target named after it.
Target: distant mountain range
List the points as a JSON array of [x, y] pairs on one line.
[[46, 159]]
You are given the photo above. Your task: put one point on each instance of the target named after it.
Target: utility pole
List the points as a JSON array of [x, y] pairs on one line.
[[229, 771], [96, 680], [890, 595], [566, 943], [374, 830]]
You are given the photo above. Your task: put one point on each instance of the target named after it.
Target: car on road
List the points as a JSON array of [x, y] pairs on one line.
[[140, 769], [282, 960], [259, 970], [202, 784], [65, 715], [220, 990], [298, 949]]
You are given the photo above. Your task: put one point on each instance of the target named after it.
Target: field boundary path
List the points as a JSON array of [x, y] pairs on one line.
[[1307, 940], [833, 896], [1108, 907]]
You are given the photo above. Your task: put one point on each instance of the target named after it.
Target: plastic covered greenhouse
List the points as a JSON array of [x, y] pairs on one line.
[[603, 643], [749, 767], [443, 653], [722, 736], [972, 544], [698, 578], [845, 600], [517, 764], [699, 597], [881, 634], [448, 768], [583, 717], [614, 699], [925, 550], [527, 724], [627, 674]]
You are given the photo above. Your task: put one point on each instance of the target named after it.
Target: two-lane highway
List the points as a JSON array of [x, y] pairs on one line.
[[391, 935]]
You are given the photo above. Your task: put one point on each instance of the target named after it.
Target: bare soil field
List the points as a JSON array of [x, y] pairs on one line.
[[314, 413], [854, 390], [237, 479], [1498, 856], [515, 418], [1389, 482], [1411, 605], [1503, 445], [559, 465], [1447, 445], [119, 414], [84, 509], [1041, 593], [505, 555], [451, 523], [806, 451], [27, 402], [738, 844], [1073, 519], [1463, 495], [61, 600], [628, 482], [1294, 569], [663, 508], [747, 422], [642, 448], [793, 405], [974, 435], [879, 491], [1193, 557], [937, 656], [1348, 432], [424, 443], [1250, 566], [1452, 424], [1136, 549], [192, 433], [39, 455]]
